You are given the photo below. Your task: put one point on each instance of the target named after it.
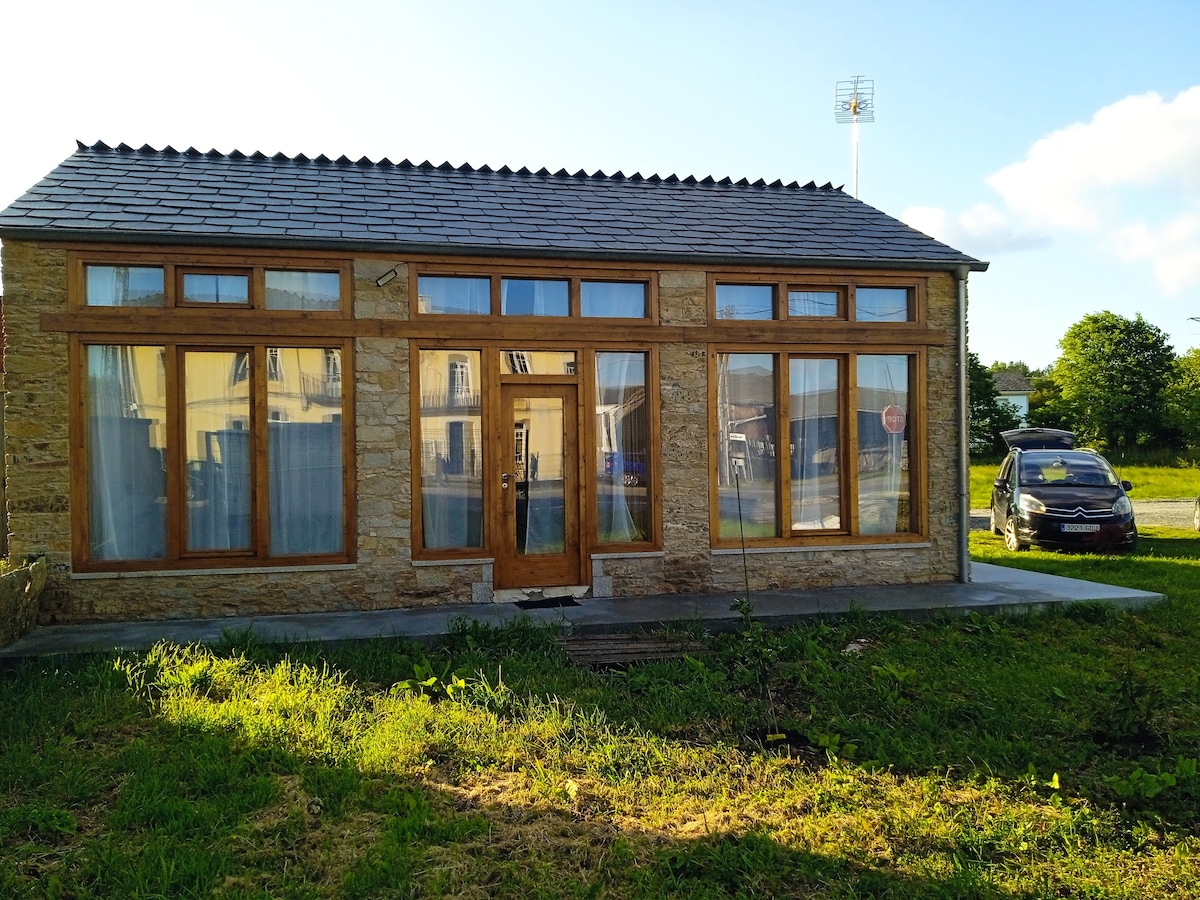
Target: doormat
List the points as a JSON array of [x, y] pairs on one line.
[[546, 603]]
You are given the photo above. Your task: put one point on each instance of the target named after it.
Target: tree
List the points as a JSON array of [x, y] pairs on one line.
[[1114, 373], [989, 414], [1183, 397]]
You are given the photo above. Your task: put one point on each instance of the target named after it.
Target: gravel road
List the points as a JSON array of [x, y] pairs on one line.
[[1171, 513]]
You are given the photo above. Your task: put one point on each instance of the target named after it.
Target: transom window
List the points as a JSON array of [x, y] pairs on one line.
[[252, 287], [855, 302], [503, 295]]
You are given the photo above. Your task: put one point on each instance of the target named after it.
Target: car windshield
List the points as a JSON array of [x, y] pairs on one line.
[[1066, 469]]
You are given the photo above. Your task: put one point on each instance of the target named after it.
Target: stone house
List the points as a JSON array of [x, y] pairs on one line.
[[1014, 389], [244, 385]]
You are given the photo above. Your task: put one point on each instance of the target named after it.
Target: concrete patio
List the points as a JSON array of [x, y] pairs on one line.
[[994, 590]]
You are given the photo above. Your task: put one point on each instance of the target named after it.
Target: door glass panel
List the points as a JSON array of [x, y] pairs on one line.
[[218, 452], [537, 362], [622, 448], [538, 472], [127, 485]]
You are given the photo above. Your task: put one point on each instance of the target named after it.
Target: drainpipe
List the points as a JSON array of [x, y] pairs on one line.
[[964, 435]]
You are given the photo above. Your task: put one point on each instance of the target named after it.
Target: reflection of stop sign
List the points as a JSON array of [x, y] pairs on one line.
[[893, 419]]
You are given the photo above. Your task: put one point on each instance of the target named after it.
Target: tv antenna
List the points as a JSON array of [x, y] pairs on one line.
[[854, 102]]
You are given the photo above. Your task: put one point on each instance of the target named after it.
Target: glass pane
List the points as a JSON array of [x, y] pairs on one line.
[[883, 434], [812, 303], [746, 445], [622, 448], [814, 432], [454, 296], [534, 297], [451, 449], [745, 301], [304, 452], [217, 430], [127, 484], [199, 288], [125, 286], [881, 304], [537, 362], [319, 291], [613, 299], [539, 469]]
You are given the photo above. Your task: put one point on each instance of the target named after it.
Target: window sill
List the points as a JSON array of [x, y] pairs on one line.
[[242, 570], [820, 548]]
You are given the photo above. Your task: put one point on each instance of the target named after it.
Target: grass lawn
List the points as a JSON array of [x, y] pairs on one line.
[[1149, 482], [1043, 756]]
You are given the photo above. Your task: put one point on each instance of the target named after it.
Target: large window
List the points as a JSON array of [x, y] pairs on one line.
[[623, 452], [195, 475], [826, 406], [451, 465]]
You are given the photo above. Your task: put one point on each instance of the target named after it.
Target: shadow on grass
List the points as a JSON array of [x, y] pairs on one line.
[[103, 796]]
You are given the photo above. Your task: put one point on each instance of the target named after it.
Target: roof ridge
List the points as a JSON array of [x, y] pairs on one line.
[[466, 168]]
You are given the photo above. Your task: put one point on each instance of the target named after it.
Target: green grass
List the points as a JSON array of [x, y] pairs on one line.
[[1149, 482], [1039, 756]]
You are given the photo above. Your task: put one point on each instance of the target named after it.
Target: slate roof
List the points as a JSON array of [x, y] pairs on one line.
[[168, 196], [1011, 382]]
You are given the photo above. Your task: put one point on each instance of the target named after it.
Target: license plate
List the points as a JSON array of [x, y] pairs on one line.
[[1077, 529]]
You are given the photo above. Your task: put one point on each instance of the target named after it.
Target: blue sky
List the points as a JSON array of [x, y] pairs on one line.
[[1058, 140]]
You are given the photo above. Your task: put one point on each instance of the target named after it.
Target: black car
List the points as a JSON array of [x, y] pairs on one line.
[[1052, 495]]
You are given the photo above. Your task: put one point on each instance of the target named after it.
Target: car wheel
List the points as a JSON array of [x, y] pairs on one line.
[[1011, 541]]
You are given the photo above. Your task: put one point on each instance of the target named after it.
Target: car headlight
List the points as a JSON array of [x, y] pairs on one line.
[[1122, 507], [1030, 503]]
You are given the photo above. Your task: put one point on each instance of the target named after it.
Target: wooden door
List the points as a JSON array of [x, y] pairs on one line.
[[538, 487]]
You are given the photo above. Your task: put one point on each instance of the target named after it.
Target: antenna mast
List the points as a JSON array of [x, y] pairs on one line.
[[854, 102]]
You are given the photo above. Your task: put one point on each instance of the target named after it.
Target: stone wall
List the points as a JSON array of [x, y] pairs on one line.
[[20, 590], [37, 460]]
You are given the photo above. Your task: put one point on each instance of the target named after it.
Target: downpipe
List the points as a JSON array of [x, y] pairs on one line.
[[964, 436]]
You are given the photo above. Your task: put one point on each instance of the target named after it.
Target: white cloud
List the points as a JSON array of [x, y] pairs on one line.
[[982, 230], [1128, 179]]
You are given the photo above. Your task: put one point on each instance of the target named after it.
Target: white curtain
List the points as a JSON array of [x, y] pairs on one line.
[[620, 406], [816, 501], [126, 478], [882, 382], [305, 465]]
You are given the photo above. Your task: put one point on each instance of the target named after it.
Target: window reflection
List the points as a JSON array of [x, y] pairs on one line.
[[126, 410], [538, 362], [534, 297], [746, 444], [613, 299], [317, 291], [452, 295], [745, 301], [451, 462], [812, 303], [880, 304], [884, 498], [205, 288], [814, 433], [217, 428], [125, 286], [622, 448]]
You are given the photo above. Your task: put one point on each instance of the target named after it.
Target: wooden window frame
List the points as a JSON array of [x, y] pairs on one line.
[[176, 263], [844, 285], [573, 275], [492, 377], [177, 557], [849, 534]]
